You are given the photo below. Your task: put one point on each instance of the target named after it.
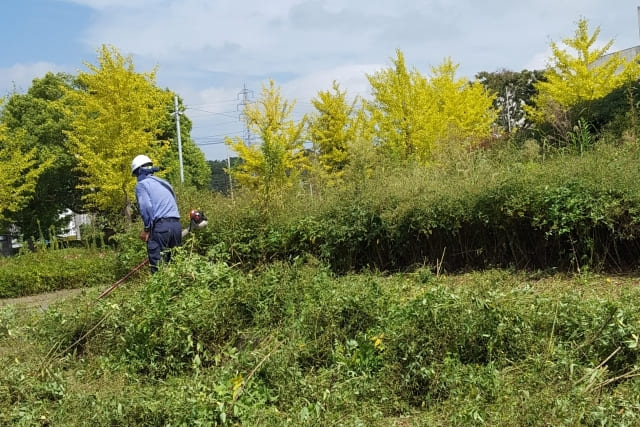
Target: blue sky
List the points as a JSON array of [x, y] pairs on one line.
[[207, 51], [40, 30]]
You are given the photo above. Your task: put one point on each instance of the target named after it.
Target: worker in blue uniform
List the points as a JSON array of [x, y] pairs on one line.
[[159, 211]]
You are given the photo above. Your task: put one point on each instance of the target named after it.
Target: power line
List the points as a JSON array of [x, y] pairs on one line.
[[224, 113], [205, 117], [206, 144], [235, 122], [215, 135], [213, 103]]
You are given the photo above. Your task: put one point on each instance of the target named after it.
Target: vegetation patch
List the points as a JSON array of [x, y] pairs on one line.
[[294, 344], [49, 270]]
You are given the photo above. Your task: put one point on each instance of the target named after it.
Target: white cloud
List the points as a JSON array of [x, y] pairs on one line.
[[19, 77], [127, 4], [297, 37], [538, 61], [351, 78], [207, 50]]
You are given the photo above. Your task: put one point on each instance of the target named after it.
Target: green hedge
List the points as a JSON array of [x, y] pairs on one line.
[[569, 211], [50, 270]]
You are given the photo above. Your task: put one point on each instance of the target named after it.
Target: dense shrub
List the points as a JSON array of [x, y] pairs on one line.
[[499, 329], [500, 208], [467, 328]]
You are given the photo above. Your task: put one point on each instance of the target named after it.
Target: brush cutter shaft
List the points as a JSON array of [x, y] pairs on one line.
[[119, 282]]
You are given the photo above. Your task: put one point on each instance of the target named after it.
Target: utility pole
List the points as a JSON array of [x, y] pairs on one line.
[[175, 104], [229, 174]]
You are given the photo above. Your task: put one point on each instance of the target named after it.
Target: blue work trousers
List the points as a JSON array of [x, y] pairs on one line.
[[165, 234]]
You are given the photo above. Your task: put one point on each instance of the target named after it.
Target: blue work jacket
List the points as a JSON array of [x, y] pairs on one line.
[[156, 200]]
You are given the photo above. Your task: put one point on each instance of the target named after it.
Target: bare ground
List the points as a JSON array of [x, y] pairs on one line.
[[41, 301]]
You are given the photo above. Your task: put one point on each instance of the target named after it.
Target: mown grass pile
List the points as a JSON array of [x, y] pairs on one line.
[[292, 343]]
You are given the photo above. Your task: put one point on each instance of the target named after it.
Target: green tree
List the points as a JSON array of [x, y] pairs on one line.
[[116, 114], [513, 90], [274, 165], [39, 117], [617, 113], [220, 178], [574, 78]]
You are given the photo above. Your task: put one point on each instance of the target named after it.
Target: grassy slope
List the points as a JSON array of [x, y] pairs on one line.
[[295, 345]]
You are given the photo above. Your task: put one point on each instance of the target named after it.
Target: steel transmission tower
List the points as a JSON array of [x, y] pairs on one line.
[[245, 96]]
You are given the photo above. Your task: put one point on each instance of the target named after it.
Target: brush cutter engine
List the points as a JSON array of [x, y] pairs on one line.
[[198, 219]]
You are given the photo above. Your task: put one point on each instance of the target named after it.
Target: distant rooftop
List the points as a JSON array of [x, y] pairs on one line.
[[627, 54]]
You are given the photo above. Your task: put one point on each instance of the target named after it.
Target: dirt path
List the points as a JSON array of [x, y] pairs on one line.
[[41, 301]]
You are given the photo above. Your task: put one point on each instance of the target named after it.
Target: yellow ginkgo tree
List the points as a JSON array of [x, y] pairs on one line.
[[274, 164], [332, 128], [464, 113], [116, 114], [577, 73], [414, 116], [19, 172], [401, 110]]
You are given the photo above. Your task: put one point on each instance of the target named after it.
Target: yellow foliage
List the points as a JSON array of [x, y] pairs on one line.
[[273, 165], [116, 116], [582, 76], [18, 173], [465, 111], [332, 129], [414, 115]]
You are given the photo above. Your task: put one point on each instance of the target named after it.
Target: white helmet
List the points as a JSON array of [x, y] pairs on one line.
[[138, 161]]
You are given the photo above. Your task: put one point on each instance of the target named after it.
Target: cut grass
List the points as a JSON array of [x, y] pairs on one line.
[[349, 381]]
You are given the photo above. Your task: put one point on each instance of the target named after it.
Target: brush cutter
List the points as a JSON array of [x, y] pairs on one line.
[[197, 220]]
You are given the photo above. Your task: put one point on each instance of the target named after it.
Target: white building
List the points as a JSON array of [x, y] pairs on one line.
[[629, 54], [73, 226]]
